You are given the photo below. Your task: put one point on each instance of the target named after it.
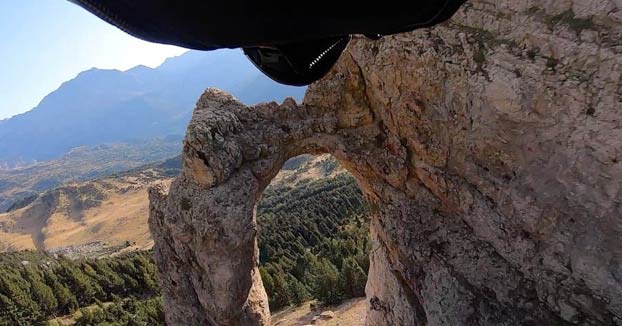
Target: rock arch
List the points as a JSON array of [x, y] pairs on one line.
[[206, 234], [492, 160]]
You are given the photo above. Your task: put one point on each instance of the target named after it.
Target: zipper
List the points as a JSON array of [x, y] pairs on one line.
[[321, 55]]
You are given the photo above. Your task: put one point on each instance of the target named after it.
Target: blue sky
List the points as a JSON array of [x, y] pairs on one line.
[[44, 43]]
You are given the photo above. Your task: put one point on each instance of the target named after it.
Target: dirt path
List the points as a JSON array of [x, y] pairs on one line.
[[350, 313]]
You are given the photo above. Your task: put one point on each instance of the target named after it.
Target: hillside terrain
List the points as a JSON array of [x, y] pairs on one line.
[[112, 210], [81, 164], [314, 245]]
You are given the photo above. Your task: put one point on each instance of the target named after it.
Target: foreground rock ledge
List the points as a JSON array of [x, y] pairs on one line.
[[490, 148]]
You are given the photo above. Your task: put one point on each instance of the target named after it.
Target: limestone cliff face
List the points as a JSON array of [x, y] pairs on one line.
[[491, 148]]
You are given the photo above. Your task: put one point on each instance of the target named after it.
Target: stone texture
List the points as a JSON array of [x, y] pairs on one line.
[[328, 314], [490, 148]]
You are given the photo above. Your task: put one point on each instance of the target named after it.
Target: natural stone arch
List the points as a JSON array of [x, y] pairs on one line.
[[206, 234], [494, 174]]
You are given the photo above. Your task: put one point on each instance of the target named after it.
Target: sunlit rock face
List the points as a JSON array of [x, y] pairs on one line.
[[490, 148]]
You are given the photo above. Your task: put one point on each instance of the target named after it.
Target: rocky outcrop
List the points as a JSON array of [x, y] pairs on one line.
[[490, 148]]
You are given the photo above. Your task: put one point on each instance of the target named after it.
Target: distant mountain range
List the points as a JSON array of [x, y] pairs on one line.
[[111, 106]]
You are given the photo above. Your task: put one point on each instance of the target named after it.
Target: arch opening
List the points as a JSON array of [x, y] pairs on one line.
[[314, 242]]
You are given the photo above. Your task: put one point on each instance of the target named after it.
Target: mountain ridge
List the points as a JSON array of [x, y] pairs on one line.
[[109, 105], [82, 164]]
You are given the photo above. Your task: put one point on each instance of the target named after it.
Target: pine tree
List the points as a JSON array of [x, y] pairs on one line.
[[297, 290], [354, 278], [267, 280], [67, 302], [281, 296], [8, 311], [41, 292], [327, 282]]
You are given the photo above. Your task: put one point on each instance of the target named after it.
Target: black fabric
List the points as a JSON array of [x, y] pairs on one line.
[[292, 42], [212, 24], [298, 64]]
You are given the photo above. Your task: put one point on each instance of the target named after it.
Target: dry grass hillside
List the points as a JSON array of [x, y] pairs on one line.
[[307, 167], [110, 214], [92, 215]]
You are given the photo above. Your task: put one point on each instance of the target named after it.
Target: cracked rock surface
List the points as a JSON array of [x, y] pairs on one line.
[[490, 148]]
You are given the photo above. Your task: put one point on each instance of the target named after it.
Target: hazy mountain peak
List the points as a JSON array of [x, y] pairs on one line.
[[109, 105], [139, 68]]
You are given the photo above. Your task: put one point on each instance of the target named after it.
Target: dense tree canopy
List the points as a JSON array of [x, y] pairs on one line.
[[36, 287], [313, 241], [313, 244]]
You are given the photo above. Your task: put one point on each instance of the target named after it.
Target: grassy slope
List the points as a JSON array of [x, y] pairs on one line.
[[112, 210]]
